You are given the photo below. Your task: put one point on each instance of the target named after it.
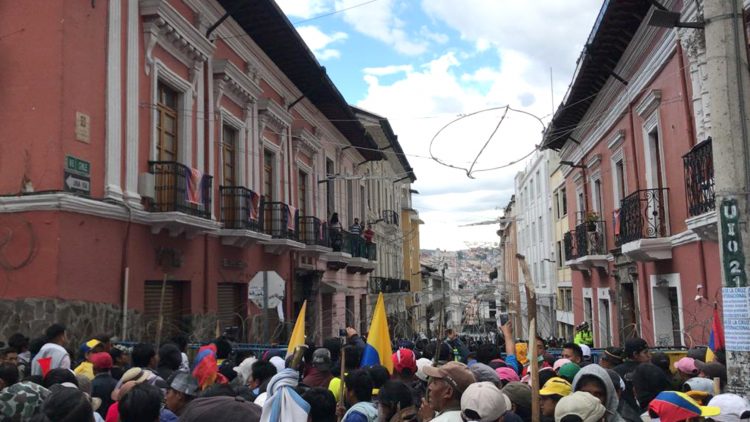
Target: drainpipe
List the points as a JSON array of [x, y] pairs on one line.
[[686, 100]]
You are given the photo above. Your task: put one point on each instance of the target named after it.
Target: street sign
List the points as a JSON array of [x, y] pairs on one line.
[[76, 183], [732, 253], [266, 289], [77, 166]]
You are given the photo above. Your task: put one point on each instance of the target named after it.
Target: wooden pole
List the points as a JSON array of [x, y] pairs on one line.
[[341, 375], [534, 368], [160, 321]]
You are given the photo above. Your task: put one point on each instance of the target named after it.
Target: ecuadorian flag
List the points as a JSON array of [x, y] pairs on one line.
[[716, 337], [378, 350]]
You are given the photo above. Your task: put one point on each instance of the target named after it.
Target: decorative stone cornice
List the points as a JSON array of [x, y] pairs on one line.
[[231, 81], [305, 142], [273, 115], [649, 103], [164, 25]]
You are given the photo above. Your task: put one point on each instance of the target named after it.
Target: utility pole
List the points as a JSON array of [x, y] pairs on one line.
[[729, 88]]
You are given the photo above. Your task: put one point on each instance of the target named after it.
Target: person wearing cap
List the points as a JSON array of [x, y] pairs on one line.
[[103, 383], [131, 378], [595, 380], [713, 370], [396, 402], [572, 352], [568, 371], [484, 402], [319, 374], [519, 394], [636, 353], [674, 406], [446, 385], [120, 360], [583, 335], [52, 354], [553, 390], [182, 390], [732, 408], [405, 370], [686, 369], [611, 357], [579, 407], [585, 354], [85, 368]]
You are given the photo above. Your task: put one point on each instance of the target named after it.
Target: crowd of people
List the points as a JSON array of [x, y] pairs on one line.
[[41, 379]]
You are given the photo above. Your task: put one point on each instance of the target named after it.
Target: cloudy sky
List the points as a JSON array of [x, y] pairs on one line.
[[425, 63]]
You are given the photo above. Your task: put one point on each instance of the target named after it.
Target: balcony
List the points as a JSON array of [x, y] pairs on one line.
[[180, 199], [389, 285], [699, 188], [313, 233], [360, 252], [591, 244], [390, 217], [643, 224], [241, 216], [279, 222]]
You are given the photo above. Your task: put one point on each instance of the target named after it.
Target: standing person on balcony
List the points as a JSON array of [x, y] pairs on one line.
[[335, 232], [356, 228], [368, 234]]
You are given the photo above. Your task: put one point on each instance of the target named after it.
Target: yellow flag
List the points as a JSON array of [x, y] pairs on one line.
[[378, 349], [298, 334]]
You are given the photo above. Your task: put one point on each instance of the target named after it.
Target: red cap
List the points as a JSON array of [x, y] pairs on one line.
[[404, 359], [101, 360]]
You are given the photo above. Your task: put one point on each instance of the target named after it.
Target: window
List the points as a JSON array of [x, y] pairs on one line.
[[540, 226], [560, 254], [556, 204], [362, 205], [619, 181], [302, 193], [268, 176], [564, 201], [350, 202], [598, 203], [330, 192], [166, 127], [228, 155]]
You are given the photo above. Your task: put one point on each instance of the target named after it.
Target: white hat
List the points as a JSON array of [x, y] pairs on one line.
[[421, 363], [581, 404], [244, 369], [278, 363], [733, 407], [586, 350], [485, 400]]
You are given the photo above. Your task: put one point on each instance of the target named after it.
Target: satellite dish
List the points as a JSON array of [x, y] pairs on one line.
[[276, 287]]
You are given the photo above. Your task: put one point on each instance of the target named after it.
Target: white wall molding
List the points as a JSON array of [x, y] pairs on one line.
[[113, 155], [649, 103], [132, 124]]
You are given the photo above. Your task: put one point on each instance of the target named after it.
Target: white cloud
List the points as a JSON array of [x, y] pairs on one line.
[[387, 70], [378, 20], [304, 9], [318, 41]]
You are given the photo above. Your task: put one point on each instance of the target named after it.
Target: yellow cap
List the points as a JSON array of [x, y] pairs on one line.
[[556, 385]]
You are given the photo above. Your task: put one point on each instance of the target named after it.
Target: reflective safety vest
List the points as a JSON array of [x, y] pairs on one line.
[[584, 337]]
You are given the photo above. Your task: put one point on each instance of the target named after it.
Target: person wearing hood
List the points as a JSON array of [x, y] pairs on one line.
[[648, 381], [595, 380]]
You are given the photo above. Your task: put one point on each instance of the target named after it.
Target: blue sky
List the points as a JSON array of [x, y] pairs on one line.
[[421, 63]]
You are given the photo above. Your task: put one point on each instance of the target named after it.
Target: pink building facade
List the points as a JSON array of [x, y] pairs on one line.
[[634, 139], [151, 140]]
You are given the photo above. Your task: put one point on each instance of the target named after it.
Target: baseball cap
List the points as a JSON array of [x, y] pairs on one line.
[[322, 359], [569, 371], [483, 402], [138, 375], [559, 363], [677, 406], [483, 372], [223, 408], [686, 366], [421, 363], [634, 345], [404, 359], [699, 384], [456, 374], [581, 404], [101, 360], [585, 350], [184, 383], [518, 393], [713, 370], [86, 347], [733, 407], [507, 374], [556, 386]]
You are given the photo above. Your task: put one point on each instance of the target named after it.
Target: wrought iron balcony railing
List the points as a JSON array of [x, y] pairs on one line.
[[179, 188], [279, 220], [390, 217], [371, 251], [699, 179], [569, 243], [312, 231], [240, 208], [357, 247], [388, 285], [643, 215], [591, 239]]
